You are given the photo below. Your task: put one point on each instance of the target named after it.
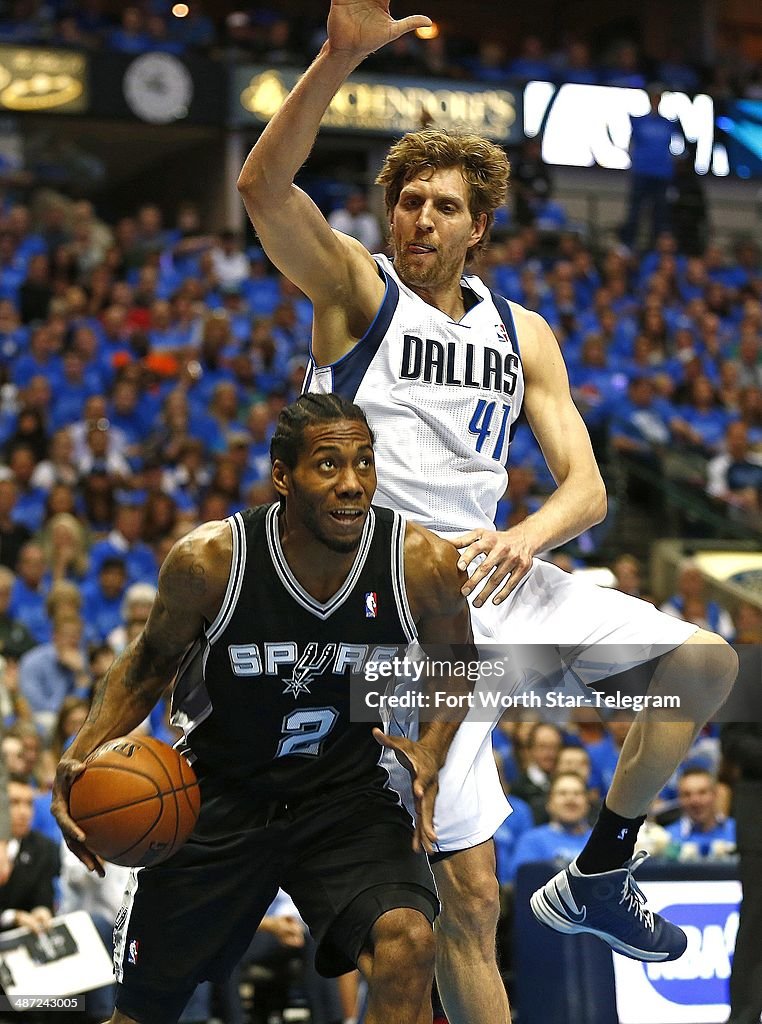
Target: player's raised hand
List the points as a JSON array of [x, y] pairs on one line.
[[359, 27], [67, 771], [424, 774], [508, 558]]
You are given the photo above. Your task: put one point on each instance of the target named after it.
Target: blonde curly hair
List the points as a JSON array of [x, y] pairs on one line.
[[484, 166]]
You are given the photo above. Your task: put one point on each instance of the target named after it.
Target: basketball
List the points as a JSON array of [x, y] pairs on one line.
[[137, 801]]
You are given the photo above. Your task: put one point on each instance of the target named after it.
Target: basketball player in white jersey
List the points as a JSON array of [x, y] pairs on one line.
[[442, 368]]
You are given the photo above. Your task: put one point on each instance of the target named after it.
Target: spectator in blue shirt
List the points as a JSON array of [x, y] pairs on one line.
[[701, 830], [159, 38], [532, 64], [55, 670], [518, 822], [575, 759], [124, 543], [30, 506], [130, 414], [102, 598], [578, 67], [640, 424], [567, 830], [604, 754], [40, 360], [691, 604], [71, 391], [676, 72], [735, 477], [625, 71], [490, 65], [652, 170], [701, 424], [130, 37]]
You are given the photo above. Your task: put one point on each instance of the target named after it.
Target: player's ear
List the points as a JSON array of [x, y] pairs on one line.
[[478, 229], [281, 476]]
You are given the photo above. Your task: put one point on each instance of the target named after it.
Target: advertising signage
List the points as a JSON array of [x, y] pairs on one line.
[[386, 106], [693, 989], [42, 81], [589, 126], [158, 89]]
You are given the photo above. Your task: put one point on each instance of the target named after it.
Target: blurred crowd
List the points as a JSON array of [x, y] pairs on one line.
[[259, 33]]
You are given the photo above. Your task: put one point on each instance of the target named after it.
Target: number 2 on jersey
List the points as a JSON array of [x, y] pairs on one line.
[[481, 426], [305, 729]]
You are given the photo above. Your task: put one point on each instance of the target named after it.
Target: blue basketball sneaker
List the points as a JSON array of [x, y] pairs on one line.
[[611, 906]]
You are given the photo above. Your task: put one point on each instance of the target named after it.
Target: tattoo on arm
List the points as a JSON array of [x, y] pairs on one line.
[[135, 670]]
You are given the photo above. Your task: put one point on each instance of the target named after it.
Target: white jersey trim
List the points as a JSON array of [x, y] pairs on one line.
[[398, 578], [235, 580], [322, 610], [122, 924], [179, 715]]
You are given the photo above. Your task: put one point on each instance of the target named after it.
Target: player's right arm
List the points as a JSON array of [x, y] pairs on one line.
[[192, 584], [333, 270]]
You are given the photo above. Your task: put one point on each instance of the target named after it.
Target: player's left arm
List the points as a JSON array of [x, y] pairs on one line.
[[579, 500], [433, 585], [192, 583]]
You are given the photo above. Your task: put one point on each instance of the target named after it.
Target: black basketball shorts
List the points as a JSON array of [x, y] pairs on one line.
[[345, 861]]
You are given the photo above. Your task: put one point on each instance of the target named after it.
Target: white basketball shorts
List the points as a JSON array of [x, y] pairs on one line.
[[549, 607]]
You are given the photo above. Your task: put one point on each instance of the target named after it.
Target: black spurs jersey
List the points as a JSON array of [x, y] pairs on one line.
[[263, 696]]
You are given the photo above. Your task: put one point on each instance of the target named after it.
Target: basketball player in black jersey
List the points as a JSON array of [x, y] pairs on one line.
[[265, 614]]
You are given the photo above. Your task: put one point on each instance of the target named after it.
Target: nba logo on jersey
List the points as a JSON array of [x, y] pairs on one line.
[[132, 956], [502, 333], [371, 605]]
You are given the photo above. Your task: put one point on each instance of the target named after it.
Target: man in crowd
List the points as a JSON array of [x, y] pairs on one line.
[[701, 830], [568, 827], [26, 899]]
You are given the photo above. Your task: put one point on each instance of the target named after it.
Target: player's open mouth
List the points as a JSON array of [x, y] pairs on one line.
[[421, 250], [347, 515]]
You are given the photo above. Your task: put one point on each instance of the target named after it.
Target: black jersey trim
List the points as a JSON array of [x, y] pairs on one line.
[[398, 578], [233, 591], [292, 584]]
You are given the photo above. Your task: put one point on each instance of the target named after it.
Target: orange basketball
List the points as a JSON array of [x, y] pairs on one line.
[[137, 801]]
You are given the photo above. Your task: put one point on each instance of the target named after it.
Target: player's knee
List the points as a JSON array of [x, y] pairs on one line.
[[471, 907], [403, 948], [712, 663], [726, 668]]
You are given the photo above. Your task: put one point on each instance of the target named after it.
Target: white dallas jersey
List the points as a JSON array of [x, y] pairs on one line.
[[442, 399]]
